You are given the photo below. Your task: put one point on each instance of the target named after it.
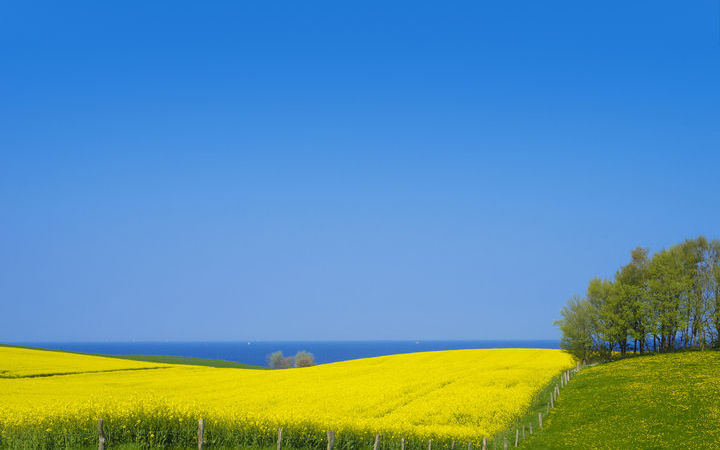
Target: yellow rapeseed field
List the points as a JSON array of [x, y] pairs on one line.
[[22, 362], [459, 394]]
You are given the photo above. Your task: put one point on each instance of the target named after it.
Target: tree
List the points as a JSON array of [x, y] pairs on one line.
[[666, 286], [304, 359], [576, 326], [598, 293], [672, 298], [277, 361], [714, 286]]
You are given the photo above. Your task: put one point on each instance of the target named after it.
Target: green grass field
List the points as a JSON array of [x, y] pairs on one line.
[[650, 402]]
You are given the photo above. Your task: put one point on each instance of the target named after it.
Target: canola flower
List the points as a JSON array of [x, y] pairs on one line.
[[22, 362], [459, 394]]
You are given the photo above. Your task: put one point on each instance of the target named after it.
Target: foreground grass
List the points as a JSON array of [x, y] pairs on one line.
[[649, 402]]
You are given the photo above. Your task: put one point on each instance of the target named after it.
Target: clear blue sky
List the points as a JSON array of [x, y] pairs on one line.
[[343, 170]]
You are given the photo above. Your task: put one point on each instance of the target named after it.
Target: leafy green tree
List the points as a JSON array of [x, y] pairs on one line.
[[632, 291], [714, 287], [666, 282], [598, 293], [576, 326]]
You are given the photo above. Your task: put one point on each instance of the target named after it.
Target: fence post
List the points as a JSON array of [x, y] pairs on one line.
[[517, 435], [402, 444], [484, 447], [429, 444], [331, 439], [452, 446], [523, 432], [279, 446], [377, 442], [530, 425], [201, 433], [505, 443], [540, 419], [469, 445], [101, 435]]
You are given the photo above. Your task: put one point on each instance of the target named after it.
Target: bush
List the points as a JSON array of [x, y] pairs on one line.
[[278, 361], [304, 359]]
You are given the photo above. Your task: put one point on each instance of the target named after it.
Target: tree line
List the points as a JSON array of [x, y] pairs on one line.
[[661, 303]]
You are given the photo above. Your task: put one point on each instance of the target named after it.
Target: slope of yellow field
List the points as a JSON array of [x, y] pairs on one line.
[[23, 362], [463, 394]]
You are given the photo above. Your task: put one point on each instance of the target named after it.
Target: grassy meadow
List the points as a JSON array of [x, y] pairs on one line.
[[53, 399], [655, 401]]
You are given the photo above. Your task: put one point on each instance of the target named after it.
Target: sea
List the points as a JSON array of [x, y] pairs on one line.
[[256, 353]]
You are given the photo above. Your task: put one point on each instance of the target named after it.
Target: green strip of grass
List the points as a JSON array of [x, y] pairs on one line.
[[188, 360], [157, 358]]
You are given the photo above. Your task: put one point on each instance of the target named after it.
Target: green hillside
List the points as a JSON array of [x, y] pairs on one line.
[[650, 402]]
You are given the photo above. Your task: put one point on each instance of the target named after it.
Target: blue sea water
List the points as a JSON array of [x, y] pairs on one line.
[[256, 352]]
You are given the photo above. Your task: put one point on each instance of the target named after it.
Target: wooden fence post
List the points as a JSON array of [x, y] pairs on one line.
[[484, 447], [452, 446], [429, 444], [331, 439], [517, 435], [201, 433], [101, 435], [523, 432], [377, 442], [552, 403], [279, 446], [505, 443], [402, 444], [540, 419], [530, 425], [469, 445]]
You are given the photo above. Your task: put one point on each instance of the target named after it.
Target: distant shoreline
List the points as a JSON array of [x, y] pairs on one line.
[[255, 353]]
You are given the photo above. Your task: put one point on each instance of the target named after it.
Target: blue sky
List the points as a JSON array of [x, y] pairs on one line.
[[343, 170]]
